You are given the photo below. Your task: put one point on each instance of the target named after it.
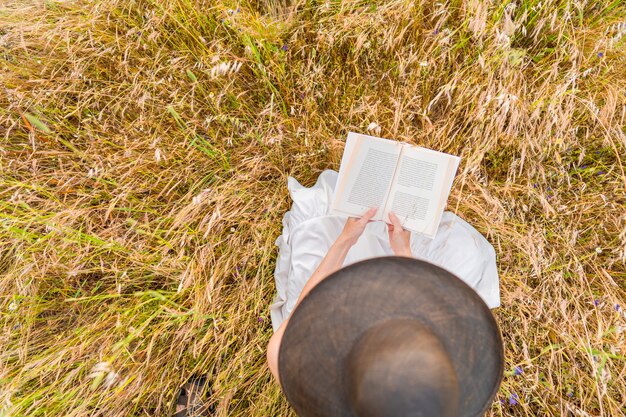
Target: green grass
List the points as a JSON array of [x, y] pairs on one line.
[[144, 153]]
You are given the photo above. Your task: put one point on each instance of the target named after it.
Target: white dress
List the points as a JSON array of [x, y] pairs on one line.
[[309, 231]]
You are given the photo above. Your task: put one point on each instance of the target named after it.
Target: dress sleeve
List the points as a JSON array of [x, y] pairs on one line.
[[462, 250], [305, 238], [489, 285]]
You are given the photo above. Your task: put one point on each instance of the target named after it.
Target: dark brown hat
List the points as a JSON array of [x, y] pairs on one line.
[[391, 336]]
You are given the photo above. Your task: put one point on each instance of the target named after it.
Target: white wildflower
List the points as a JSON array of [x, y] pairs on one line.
[[481, 61], [508, 26], [16, 197], [605, 376], [201, 196], [503, 39], [93, 172], [98, 368], [12, 307], [619, 29], [424, 64], [510, 8], [374, 127], [158, 156], [110, 379], [224, 68], [6, 405], [598, 250], [104, 370]]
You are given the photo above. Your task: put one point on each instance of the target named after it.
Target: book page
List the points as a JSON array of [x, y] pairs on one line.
[[421, 187], [365, 175]]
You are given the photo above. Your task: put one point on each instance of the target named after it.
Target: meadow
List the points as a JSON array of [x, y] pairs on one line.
[[145, 147]]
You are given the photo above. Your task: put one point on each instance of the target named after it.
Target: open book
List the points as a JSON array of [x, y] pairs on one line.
[[412, 182]]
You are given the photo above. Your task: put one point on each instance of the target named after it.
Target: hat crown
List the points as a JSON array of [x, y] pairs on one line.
[[400, 367]]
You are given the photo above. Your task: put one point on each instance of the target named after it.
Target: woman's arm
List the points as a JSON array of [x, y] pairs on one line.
[[332, 262]]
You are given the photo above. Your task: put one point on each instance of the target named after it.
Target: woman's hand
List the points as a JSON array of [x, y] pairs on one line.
[[354, 227], [399, 239]]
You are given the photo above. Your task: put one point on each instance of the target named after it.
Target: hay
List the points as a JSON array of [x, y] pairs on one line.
[[144, 153]]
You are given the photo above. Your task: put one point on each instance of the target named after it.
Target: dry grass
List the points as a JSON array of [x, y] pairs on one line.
[[144, 152]]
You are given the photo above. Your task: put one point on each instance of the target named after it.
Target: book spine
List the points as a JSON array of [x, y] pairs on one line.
[[386, 206]]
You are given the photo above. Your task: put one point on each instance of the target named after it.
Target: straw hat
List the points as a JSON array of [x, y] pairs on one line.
[[391, 336]]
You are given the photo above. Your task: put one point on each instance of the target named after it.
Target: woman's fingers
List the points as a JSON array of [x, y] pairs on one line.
[[395, 221]]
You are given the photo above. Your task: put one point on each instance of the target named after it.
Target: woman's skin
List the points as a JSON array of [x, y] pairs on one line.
[[399, 240]]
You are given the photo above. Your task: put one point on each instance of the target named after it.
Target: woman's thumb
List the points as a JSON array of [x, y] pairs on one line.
[[369, 214], [395, 220]]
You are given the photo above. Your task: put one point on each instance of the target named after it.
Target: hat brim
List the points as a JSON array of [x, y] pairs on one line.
[[328, 321]]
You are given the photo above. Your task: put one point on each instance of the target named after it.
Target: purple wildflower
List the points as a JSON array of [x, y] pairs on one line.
[[284, 47], [596, 302], [264, 210], [260, 319], [570, 394], [601, 172], [583, 166], [513, 399], [436, 31], [518, 370], [616, 307], [600, 54], [238, 10]]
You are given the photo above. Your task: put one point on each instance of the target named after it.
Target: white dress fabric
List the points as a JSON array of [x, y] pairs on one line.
[[309, 231]]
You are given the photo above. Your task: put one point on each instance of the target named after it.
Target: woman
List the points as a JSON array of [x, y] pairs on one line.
[[315, 243]]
